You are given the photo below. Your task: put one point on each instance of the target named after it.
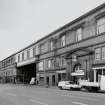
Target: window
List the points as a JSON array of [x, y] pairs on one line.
[[51, 45], [42, 48], [57, 61], [62, 61], [37, 50], [98, 53], [34, 49], [101, 25], [41, 66], [48, 63], [18, 58], [103, 52], [22, 56], [63, 41], [28, 54], [79, 34], [31, 52]]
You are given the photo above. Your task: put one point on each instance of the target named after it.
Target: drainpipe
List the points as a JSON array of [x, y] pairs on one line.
[[86, 69]]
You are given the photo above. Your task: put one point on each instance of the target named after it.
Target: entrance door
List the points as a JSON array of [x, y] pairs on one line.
[[59, 77], [53, 80], [47, 80]]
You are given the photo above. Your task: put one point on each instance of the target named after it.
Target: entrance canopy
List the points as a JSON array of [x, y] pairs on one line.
[[79, 51]]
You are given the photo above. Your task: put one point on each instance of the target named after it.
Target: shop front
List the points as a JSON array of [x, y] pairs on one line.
[[97, 72]]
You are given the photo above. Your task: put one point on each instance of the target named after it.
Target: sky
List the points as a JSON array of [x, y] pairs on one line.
[[23, 22]]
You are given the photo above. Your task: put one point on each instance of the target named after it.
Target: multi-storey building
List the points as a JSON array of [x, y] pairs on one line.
[[8, 70], [25, 64], [73, 52]]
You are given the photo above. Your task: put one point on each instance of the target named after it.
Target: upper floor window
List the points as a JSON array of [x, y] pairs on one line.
[[37, 50], [57, 61], [49, 63], [62, 61], [63, 41], [79, 34], [18, 58], [28, 54], [22, 56], [42, 48], [34, 49], [103, 52], [31, 53], [98, 53], [100, 25], [51, 45], [41, 66]]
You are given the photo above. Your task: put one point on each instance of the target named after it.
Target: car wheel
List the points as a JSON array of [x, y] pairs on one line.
[[70, 88], [60, 88]]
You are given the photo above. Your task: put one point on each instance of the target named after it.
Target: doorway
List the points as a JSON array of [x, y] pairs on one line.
[[53, 80], [47, 80]]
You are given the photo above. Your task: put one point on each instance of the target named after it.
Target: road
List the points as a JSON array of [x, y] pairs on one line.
[[37, 95]]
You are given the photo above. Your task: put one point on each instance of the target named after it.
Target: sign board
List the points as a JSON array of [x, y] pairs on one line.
[[78, 73]]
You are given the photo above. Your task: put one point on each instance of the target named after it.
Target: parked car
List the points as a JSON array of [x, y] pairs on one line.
[[69, 85]]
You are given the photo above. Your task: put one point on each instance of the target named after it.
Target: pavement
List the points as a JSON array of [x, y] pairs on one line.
[[40, 95]]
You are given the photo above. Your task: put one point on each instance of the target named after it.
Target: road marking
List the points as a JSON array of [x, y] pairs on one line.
[[39, 102], [78, 103], [11, 94], [70, 95]]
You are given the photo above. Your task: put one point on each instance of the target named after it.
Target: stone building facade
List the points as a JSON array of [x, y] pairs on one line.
[[73, 52], [8, 70]]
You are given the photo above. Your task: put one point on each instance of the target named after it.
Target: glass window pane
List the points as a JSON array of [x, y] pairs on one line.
[[101, 21], [79, 34], [41, 66], [103, 53], [101, 29], [63, 41], [98, 53], [101, 25]]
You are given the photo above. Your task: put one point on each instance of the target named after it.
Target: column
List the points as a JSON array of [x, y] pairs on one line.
[[94, 75], [102, 72], [68, 71]]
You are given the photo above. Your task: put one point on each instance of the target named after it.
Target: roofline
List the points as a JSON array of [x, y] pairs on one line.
[[66, 25], [18, 52], [74, 21]]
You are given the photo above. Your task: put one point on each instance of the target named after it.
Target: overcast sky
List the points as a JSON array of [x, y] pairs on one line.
[[23, 22]]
